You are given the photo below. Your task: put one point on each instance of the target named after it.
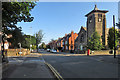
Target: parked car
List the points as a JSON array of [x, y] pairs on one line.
[[53, 51], [48, 50]]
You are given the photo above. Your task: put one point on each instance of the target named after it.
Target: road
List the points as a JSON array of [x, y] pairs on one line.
[[71, 66]]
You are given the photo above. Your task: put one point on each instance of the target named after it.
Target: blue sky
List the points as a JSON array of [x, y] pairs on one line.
[[58, 18]]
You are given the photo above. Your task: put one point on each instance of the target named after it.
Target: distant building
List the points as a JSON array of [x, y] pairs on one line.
[[68, 41], [60, 44], [53, 44]]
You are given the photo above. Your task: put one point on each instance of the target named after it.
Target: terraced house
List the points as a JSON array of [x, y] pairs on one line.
[[68, 41], [60, 44]]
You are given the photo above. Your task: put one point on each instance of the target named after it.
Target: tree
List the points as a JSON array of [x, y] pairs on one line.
[[17, 37], [43, 46], [28, 39], [118, 24], [39, 37], [48, 46], [111, 38], [33, 47], [14, 12], [94, 42]]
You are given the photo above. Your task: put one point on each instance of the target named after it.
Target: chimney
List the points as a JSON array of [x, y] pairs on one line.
[[72, 32]]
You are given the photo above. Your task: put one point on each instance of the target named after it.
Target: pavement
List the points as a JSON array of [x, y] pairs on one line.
[[0, 71], [30, 66]]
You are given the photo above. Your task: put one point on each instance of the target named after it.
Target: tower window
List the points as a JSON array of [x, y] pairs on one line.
[[99, 17], [90, 19]]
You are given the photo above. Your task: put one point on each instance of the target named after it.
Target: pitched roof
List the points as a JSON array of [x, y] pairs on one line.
[[96, 10], [84, 28], [76, 39]]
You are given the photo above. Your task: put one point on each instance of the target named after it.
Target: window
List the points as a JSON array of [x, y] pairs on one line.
[[66, 48], [90, 19], [59, 44], [82, 38], [99, 17], [65, 42]]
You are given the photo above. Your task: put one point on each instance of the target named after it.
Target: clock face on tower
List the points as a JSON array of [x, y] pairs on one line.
[[99, 20]]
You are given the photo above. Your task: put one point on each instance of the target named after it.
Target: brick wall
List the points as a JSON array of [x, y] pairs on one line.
[[72, 39], [14, 52], [101, 52]]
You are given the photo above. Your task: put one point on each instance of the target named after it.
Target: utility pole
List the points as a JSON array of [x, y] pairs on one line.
[[114, 36]]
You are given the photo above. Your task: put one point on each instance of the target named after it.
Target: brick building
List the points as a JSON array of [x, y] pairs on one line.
[[60, 44], [53, 44], [68, 41]]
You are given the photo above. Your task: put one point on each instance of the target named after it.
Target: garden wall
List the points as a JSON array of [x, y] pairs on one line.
[[15, 52], [101, 52]]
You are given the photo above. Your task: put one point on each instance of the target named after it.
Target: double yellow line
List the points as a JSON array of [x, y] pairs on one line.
[[57, 75]]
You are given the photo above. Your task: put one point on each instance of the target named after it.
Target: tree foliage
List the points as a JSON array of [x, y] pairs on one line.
[[39, 37], [111, 38], [14, 12], [94, 42], [29, 40], [42, 46], [17, 37]]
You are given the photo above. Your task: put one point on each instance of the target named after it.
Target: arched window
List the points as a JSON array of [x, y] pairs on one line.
[[82, 38]]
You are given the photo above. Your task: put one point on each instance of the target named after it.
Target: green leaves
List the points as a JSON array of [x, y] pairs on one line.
[[13, 12], [94, 42], [29, 40], [39, 36], [111, 38]]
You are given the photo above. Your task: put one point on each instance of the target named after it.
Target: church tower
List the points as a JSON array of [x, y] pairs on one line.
[[96, 21]]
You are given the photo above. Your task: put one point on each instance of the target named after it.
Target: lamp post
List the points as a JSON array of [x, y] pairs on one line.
[[114, 36]]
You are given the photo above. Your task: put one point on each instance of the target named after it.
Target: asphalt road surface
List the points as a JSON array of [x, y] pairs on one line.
[[70, 66]]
